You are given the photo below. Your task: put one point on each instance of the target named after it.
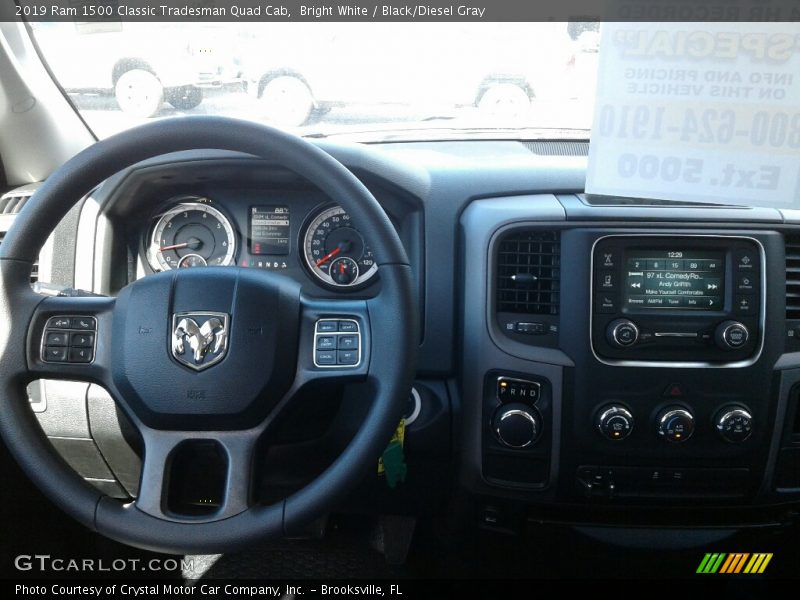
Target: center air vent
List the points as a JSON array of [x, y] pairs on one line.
[[12, 202], [529, 273], [793, 276]]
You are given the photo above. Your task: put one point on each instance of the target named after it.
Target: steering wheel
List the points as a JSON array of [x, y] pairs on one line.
[[213, 354]]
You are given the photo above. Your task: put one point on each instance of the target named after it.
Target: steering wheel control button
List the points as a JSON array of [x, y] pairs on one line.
[[325, 357], [56, 338], [675, 424], [69, 339], [347, 326], [84, 323], [348, 357], [348, 342], [55, 354], [734, 424], [59, 323], [81, 340], [518, 390], [326, 342], [337, 343], [615, 422], [81, 355], [327, 327]]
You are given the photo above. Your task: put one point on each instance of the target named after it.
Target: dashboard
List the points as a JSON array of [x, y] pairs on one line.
[[592, 362]]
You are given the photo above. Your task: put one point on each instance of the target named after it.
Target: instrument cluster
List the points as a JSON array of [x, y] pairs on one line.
[[193, 231]]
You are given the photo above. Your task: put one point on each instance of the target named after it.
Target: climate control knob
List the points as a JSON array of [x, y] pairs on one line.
[[622, 333], [517, 425], [734, 424], [675, 424], [731, 335], [614, 422]]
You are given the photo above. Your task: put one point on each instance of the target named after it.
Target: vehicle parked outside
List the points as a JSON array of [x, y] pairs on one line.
[[141, 65], [501, 71]]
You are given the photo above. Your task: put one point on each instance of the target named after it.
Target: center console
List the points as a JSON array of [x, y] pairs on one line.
[[628, 362]]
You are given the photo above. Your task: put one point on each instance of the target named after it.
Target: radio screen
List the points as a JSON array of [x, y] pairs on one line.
[[269, 230], [691, 280]]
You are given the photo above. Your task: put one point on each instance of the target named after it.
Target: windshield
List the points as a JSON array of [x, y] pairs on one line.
[[369, 81]]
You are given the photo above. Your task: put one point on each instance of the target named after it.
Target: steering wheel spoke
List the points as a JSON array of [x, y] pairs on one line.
[[196, 476], [68, 338]]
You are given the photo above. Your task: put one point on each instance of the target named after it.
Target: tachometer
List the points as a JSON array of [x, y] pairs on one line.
[[335, 251], [191, 234]]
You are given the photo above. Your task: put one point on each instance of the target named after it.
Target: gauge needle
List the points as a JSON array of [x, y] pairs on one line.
[[329, 255], [193, 244]]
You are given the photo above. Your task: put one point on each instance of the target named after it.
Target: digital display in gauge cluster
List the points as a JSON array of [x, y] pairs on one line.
[[270, 230]]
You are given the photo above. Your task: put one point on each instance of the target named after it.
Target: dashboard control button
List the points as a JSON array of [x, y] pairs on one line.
[[84, 323], [348, 327], [326, 342], [675, 424], [673, 390], [731, 335], [325, 357], [348, 342], [529, 328], [56, 338], [327, 326], [734, 424], [517, 425], [81, 355], [55, 354], [347, 357], [744, 305], [746, 282], [606, 303], [606, 258], [622, 333], [59, 323], [615, 422], [745, 260], [606, 281]]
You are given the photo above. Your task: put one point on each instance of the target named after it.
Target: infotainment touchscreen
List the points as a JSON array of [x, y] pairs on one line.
[[678, 279]]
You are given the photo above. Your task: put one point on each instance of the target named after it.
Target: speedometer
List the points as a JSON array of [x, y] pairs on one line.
[[191, 234], [335, 251]]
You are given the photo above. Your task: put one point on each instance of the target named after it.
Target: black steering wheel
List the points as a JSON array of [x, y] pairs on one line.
[[212, 354]]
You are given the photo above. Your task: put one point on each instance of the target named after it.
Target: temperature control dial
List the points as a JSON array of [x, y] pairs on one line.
[[517, 425], [734, 424], [675, 424], [614, 422]]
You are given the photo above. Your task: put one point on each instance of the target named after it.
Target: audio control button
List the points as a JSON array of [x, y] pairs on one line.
[[622, 333], [731, 335]]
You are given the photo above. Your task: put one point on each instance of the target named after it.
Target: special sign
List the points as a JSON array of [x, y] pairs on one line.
[[706, 112]]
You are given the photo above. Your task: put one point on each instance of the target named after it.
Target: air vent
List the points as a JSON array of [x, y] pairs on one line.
[[12, 202], [34, 270], [529, 273], [793, 276]]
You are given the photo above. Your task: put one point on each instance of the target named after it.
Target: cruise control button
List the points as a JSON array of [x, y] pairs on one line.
[[81, 340], [348, 342], [59, 323], [326, 326], [81, 355], [325, 357], [326, 342], [58, 354], [56, 338], [85, 323], [348, 357], [348, 326]]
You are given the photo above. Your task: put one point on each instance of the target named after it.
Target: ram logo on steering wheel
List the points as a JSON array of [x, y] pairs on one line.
[[207, 335]]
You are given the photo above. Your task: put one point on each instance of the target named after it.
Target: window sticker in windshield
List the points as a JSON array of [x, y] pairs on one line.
[[702, 112]]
